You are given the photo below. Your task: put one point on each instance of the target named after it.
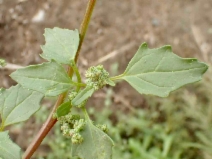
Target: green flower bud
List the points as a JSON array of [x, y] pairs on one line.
[[77, 138], [103, 127], [68, 118], [97, 77], [65, 126], [79, 125], [66, 133], [72, 132], [62, 120], [72, 95]]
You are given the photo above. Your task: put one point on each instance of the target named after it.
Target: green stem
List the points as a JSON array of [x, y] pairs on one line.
[[78, 84], [85, 24], [79, 80], [47, 126], [2, 127], [86, 114], [115, 78]]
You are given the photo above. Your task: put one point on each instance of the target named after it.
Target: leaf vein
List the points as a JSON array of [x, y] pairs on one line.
[[19, 104], [138, 61], [165, 71], [46, 79], [160, 61], [153, 83]]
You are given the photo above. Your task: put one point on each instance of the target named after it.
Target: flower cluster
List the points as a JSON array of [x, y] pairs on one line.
[[103, 127], [97, 77], [71, 125], [72, 95]]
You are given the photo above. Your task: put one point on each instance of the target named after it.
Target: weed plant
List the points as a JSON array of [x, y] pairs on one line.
[[154, 132]]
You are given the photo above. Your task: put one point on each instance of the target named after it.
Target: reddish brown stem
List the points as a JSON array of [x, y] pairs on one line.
[[50, 121], [43, 131]]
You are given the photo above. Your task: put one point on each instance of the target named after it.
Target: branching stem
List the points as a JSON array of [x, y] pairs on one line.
[[75, 69], [50, 121], [86, 114]]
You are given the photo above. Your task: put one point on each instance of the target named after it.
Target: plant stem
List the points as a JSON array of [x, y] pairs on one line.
[[2, 127], [115, 78], [79, 80], [86, 114], [84, 24], [79, 84], [50, 121]]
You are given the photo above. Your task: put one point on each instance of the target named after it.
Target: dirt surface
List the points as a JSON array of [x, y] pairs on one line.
[[117, 29]]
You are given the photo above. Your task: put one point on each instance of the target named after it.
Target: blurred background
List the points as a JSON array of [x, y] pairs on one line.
[[142, 127]]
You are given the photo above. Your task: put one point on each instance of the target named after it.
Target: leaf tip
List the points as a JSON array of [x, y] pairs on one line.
[[167, 48], [205, 68], [144, 45]]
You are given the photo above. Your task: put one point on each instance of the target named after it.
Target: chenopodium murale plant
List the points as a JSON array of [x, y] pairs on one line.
[[150, 71]]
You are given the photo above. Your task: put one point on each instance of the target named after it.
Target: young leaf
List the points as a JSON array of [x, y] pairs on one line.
[[8, 150], [82, 95], [61, 45], [49, 78], [63, 109], [160, 71], [18, 104], [96, 144]]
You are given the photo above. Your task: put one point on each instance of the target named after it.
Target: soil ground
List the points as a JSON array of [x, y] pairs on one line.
[[117, 29]]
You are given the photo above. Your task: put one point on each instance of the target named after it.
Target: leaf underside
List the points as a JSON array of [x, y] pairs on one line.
[[160, 71], [8, 150], [61, 45], [82, 95], [96, 144], [18, 104], [49, 78]]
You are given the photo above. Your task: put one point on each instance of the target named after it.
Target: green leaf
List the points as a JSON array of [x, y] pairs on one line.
[[18, 104], [63, 109], [61, 45], [82, 96], [96, 144], [49, 78], [160, 71], [8, 150]]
